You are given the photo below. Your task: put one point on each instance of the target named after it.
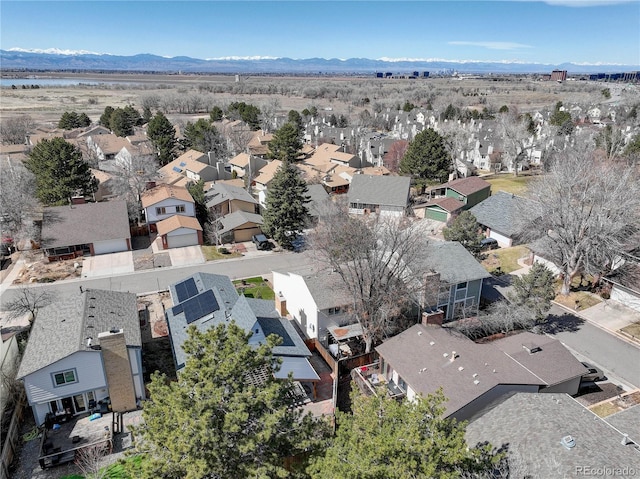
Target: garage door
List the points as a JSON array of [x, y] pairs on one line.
[[111, 246], [437, 215], [501, 239], [179, 241], [240, 236]]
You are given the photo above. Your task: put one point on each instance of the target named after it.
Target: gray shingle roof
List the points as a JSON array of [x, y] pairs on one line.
[[495, 363], [532, 425], [318, 196], [380, 190], [501, 212], [62, 327], [83, 224], [454, 263], [327, 289], [627, 421], [238, 218], [221, 192], [245, 312]]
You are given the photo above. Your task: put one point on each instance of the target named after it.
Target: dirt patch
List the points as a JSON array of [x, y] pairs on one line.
[[38, 269], [578, 300], [596, 393], [156, 346], [617, 404]]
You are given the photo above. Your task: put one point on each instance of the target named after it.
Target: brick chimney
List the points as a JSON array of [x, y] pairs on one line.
[[281, 304], [115, 357], [434, 317]]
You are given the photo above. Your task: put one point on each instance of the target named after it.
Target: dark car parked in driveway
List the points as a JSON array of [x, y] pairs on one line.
[[262, 242], [489, 243]]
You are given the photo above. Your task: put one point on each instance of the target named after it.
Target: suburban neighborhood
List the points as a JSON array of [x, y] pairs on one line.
[[262, 282]]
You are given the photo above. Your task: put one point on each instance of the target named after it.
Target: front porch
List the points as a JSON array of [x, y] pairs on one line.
[[62, 442]]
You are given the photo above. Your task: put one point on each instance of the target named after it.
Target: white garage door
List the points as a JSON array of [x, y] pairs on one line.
[[111, 246], [502, 240], [178, 241]]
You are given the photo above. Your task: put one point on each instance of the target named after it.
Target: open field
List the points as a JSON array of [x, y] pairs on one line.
[[339, 95]]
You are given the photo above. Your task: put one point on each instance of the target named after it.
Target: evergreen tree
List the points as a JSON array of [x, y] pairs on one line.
[[285, 144], [535, 290], [216, 114], [83, 120], [248, 113], [216, 420], [204, 137], [105, 118], [120, 123], [295, 118], [133, 116], [465, 230], [197, 193], [427, 158], [60, 172], [286, 205], [386, 438], [146, 115], [68, 120], [162, 135]]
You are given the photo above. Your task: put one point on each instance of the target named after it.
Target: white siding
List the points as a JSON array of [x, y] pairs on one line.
[[502, 240], [169, 205], [110, 246], [625, 297], [89, 370], [300, 303], [135, 358]]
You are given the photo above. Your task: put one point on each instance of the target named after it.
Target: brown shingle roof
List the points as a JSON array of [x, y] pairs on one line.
[[448, 204], [466, 186], [175, 222], [162, 192]]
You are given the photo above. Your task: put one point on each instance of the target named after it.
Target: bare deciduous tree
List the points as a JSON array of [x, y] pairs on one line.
[[14, 131], [516, 143], [28, 300], [90, 461], [268, 114], [17, 185], [372, 255], [238, 137], [584, 212], [396, 152], [130, 180]]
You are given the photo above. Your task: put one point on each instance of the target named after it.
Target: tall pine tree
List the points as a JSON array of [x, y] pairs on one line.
[[286, 143], [162, 135], [60, 172], [427, 158], [465, 230], [216, 420], [286, 205]]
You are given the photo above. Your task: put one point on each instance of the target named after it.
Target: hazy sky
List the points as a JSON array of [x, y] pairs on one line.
[[552, 32]]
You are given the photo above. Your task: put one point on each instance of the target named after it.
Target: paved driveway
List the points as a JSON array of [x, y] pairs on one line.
[[107, 264], [186, 256]]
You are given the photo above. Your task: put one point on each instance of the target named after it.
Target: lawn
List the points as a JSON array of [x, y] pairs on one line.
[[212, 253], [605, 409], [509, 183], [577, 300], [254, 288], [504, 258], [632, 330]]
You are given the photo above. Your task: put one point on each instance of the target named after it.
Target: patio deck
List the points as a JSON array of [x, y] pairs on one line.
[[60, 445]]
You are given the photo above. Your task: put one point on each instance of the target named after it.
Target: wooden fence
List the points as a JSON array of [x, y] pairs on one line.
[[12, 440]]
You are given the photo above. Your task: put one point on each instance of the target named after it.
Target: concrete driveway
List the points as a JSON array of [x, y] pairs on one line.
[[186, 256], [107, 264]]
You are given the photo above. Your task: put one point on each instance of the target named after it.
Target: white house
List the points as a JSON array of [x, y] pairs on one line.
[[84, 348], [384, 195], [163, 201]]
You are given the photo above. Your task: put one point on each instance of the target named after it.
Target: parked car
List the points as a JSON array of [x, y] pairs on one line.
[[593, 373], [261, 242], [489, 243]]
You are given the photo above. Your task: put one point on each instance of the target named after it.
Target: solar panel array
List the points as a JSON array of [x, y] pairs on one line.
[[199, 306], [185, 290]]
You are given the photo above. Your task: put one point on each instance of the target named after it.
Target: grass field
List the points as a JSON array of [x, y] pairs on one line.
[[506, 259], [254, 288], [516, 185], [633, 330]]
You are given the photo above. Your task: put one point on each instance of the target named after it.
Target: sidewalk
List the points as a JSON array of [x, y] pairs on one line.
[[9, 276]]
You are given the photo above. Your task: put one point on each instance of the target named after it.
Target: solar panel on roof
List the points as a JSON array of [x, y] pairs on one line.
[[200, 306], [177, 170], [177, 309], [182, 163], [186, 289]]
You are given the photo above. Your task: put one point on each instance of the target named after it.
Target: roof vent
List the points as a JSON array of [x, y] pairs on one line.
[[476, 382], [114, 330], [531, 347], [475, 375], [431, 343], [568, 441], [460, 368], [625, 440]]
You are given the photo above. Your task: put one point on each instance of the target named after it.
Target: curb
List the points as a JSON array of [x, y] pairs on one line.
[[598, 325]]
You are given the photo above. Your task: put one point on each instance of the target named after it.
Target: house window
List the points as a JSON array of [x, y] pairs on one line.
[[161, 210], [65, 377], [334, 310], [460, 286], [180, 209]]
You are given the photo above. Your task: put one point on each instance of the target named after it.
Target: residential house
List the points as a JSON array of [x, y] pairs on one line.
[[239, 226], [85, 229], [469, 191], [553, 435], [105, 184], [83, 348], [475, 377], [625, 283], [317, 301], [383, 195], [245, 164], [501, 216], [259, 144], [454, 284], [439, 209], [208, 300], [178, 231], [163, 201], [190, 167], [265, 175], [319, 200], [222, 199]]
